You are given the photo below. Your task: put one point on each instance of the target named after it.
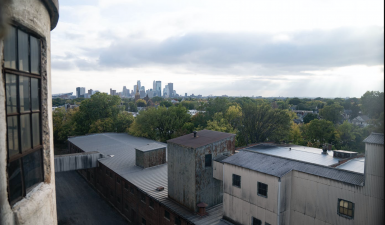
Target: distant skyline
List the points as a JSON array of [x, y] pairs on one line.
[[275, 48]]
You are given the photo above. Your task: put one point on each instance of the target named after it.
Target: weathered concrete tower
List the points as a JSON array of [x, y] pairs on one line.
[[190, 167]]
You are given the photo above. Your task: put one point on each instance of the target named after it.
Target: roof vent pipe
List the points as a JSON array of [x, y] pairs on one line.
[[195, 134], [202, 208]]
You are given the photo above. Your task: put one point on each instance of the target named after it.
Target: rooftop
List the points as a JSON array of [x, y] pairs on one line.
[[355, 165], [300, 153], [375, 138], [151, 147], [278, 166], [203, 137], [122, 147]]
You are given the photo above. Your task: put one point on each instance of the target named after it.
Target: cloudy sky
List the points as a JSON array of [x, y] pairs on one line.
[[286, 48]]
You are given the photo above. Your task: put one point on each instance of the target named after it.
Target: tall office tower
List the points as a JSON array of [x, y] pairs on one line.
[[135, 89], [142, 88], [80, 91], [124, 93], [110, 91], [154, 88], [90, 92], [185, 94], [171, 88], [165, 91], [158, 88], [138, 84]]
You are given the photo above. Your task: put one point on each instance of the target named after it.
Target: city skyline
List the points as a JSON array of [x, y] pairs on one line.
[[296, 48]]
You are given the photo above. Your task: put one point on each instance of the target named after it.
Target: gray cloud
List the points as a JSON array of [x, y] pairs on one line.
[[215, 52]]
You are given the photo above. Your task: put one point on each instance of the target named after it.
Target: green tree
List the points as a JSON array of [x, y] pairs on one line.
[[261, 122], [157, 99], [295, 135], [321, 131], [309, 117], [165, 104], [372, 103], [123, 122], [141, 103], [132, 107], [332, 113], [294, 101], [63, 124]]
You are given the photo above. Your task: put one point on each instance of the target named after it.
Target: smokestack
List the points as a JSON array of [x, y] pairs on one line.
[[195, 134], [202, 208]]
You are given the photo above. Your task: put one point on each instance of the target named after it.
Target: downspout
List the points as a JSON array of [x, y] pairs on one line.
[[279, 200]]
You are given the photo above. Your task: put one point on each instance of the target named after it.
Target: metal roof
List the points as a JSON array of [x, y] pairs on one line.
[[203, 137], [375, 138], [150, 147], [355, 165], [278, 166], [122, 147], [301, 153]]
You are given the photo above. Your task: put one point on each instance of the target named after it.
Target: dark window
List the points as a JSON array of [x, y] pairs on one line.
[[208, 160], [256, 221], [236, 180], [132, 190], [118, 180], [166, 214], [262, 189], [111, 194], [345, 208], [177, 221], [106, 172], [151, 203], [143, 197], [22, 95], [126, 186], [111, 175], [143, 221]]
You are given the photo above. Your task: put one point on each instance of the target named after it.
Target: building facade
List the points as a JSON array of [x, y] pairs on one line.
[[80, 91], [27, 176]]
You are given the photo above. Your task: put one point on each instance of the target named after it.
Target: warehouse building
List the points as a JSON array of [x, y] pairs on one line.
[[271, 185], [135, 175]]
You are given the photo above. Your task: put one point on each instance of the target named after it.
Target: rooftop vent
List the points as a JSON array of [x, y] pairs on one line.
[[160, 188], [202, 208], [195, 133]]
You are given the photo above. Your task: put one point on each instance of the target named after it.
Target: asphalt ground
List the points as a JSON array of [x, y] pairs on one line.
[[79, 204]]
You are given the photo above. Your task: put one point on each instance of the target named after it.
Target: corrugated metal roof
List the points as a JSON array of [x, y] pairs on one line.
[[278, 166], [375, 138], [355, 165], [220, 158], [122, 146], [203, 137], [301, 153]]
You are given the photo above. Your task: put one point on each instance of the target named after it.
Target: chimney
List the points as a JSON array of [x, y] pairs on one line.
[[202, 209], [195, 133], [329, 147], [324, 149]]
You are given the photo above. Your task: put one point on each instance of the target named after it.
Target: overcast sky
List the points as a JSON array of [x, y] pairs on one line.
[[299, 48]]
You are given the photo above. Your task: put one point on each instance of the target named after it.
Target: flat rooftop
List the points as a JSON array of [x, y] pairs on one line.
[[301, 153], [356, 165], [203, 137], [122, 146]]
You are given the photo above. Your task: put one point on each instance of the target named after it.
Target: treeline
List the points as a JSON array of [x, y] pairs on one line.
[[252, 120]]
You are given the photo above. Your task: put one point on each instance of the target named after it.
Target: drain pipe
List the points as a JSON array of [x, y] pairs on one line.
[[279, 199]]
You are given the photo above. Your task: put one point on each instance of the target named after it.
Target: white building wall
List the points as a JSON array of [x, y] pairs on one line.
[[39, 206]]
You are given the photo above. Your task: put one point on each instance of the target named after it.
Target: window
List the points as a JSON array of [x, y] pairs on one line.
[[143, 221], [256, 221], [208, 160], [151, 203], [166, 214], [177, 221], [111, 194], [345, 208], [236, 180], [23, 109], [262, 189], [126, 186], [132, 190], [143, 197], [118, 180]]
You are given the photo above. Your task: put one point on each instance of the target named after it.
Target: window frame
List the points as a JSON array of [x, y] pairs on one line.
[[257, 220], [240, 181], [20, 156], [208, 161], [342, 213], [258, 187], [165, 215]]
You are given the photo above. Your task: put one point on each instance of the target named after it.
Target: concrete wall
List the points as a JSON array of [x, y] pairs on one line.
[[152, 158], [208, 189], [241, 204], [181, 174], [218, 170], [39, 206]]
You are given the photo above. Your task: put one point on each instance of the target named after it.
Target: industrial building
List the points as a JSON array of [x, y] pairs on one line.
[[270, 184], [140, 177]]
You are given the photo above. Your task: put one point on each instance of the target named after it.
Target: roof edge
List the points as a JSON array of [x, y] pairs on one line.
[[53, 10]]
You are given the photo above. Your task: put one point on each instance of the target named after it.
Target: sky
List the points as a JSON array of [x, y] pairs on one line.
[[297, 48]]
